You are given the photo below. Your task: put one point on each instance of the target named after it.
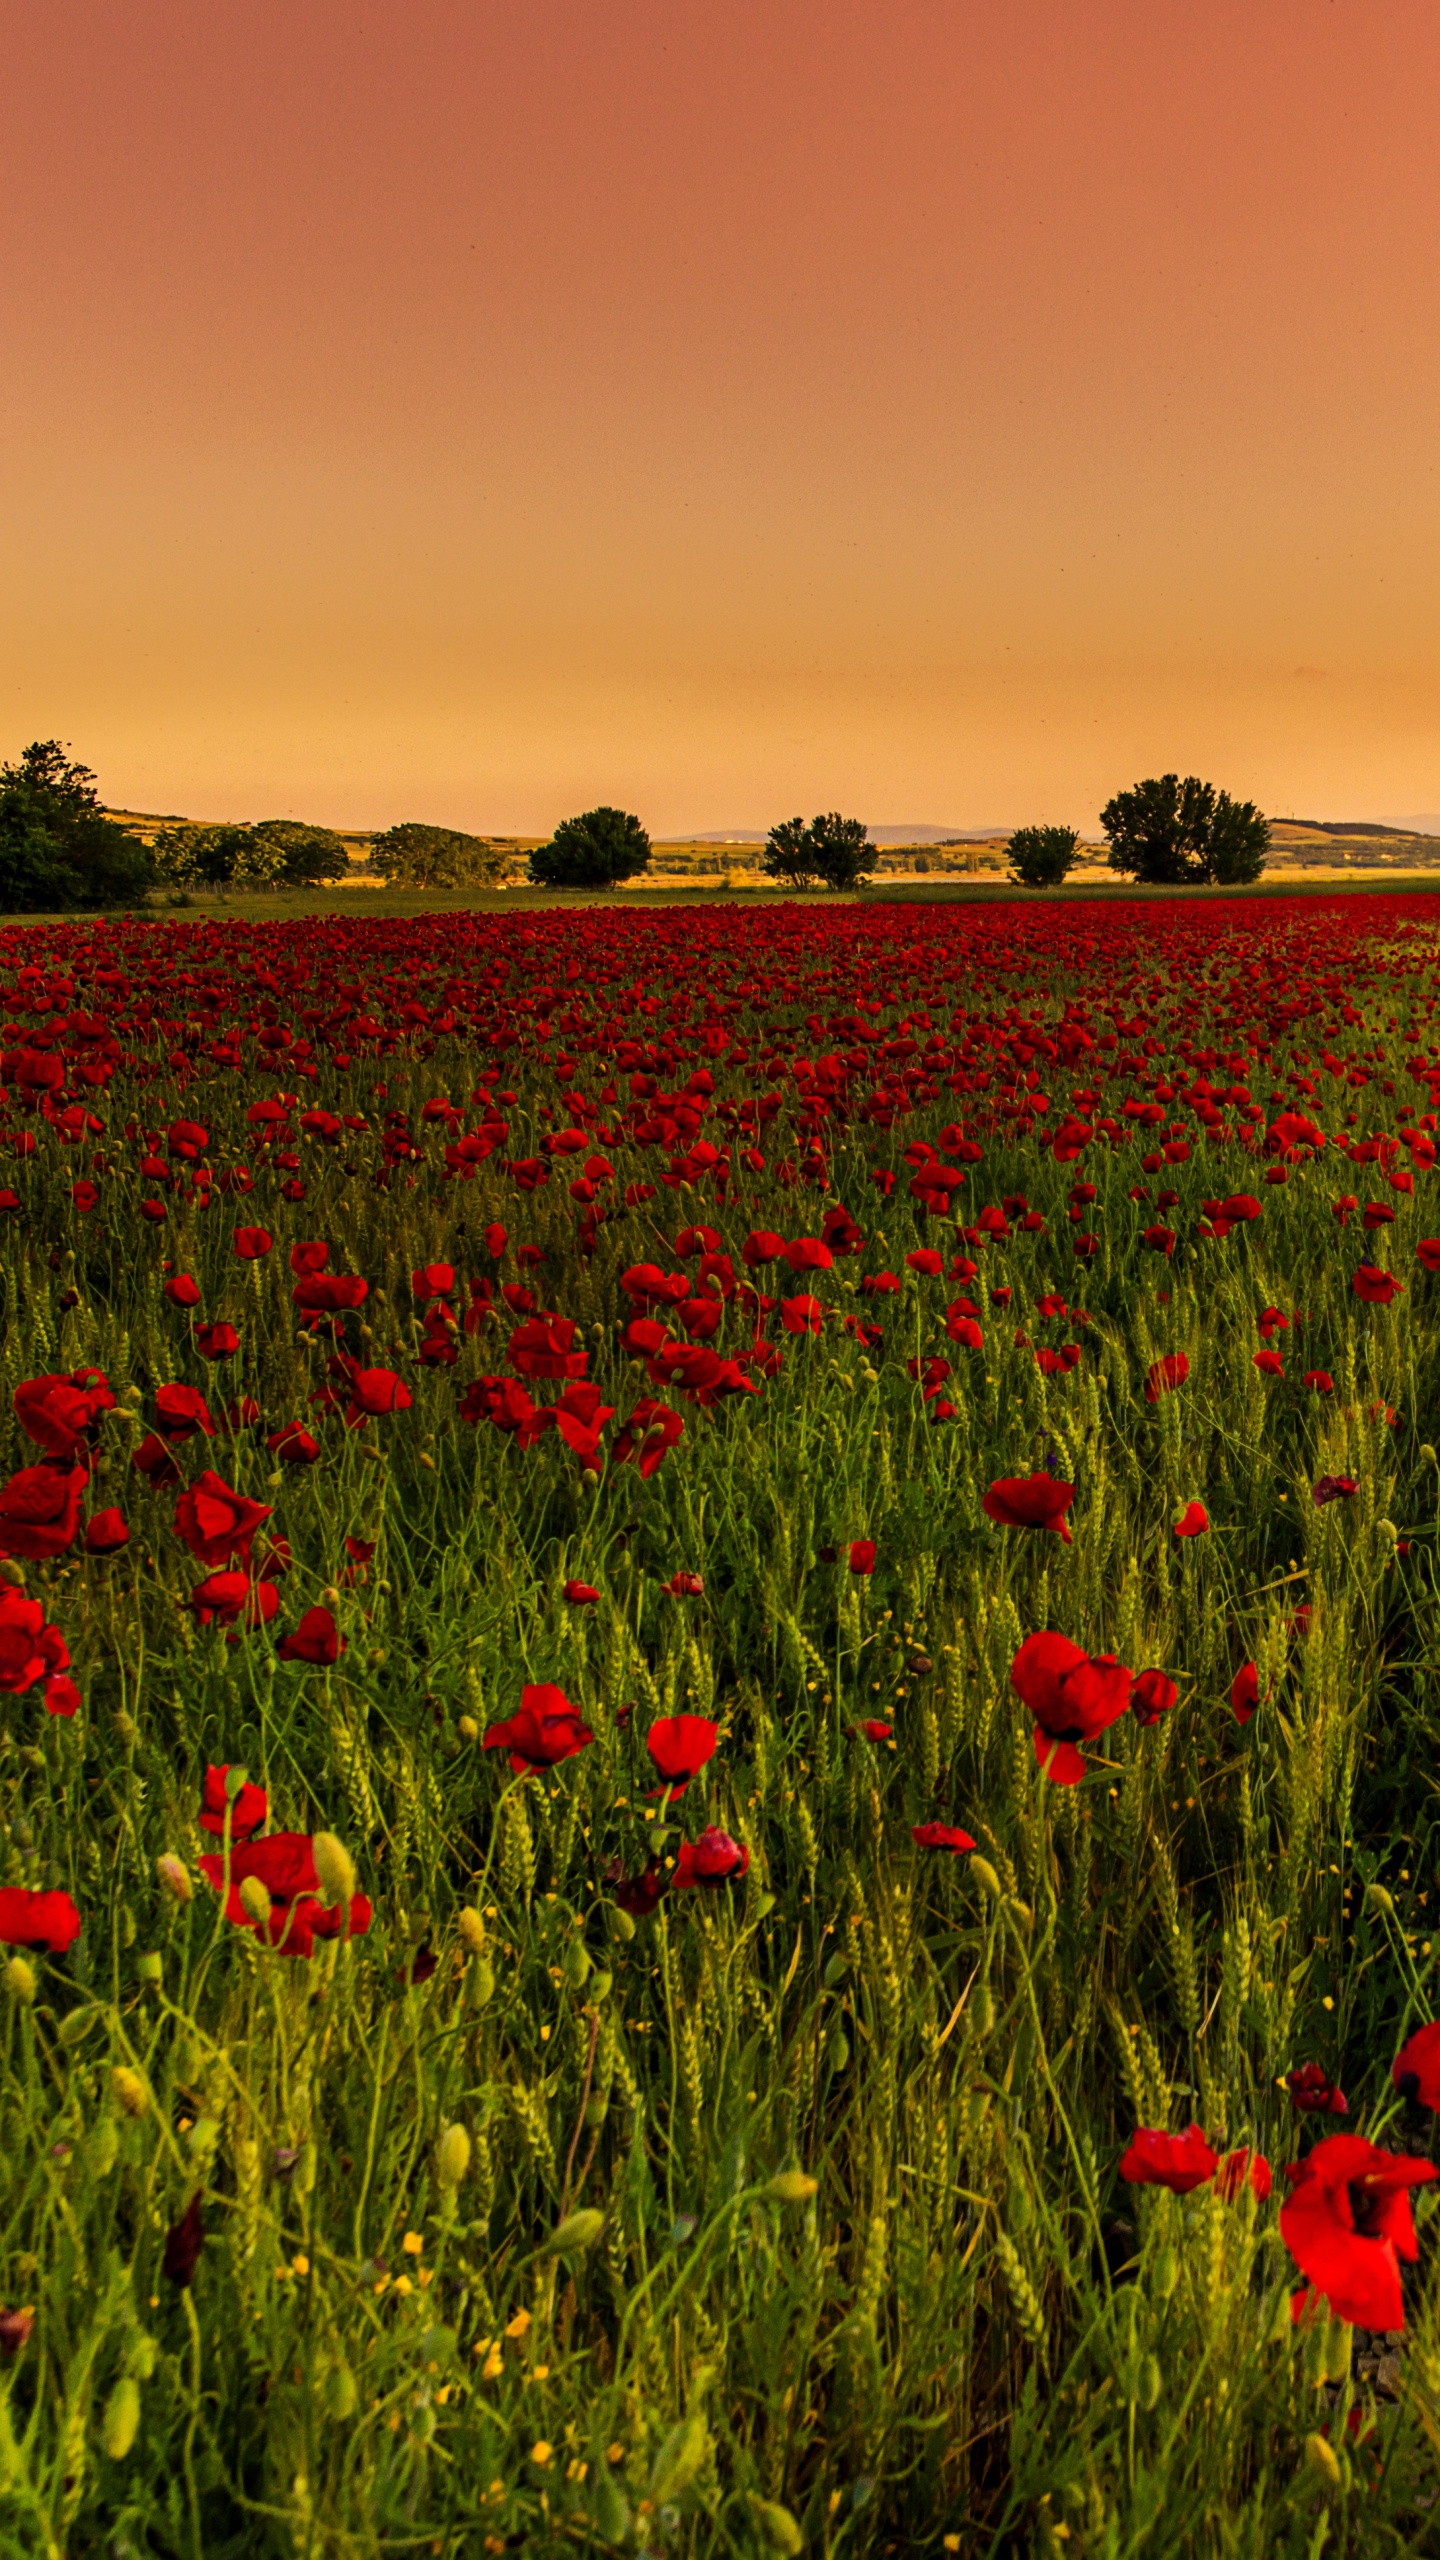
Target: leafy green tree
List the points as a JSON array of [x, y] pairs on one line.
[[216, 857], [1040, 856], [57, 847], [789, 855], [413, 855], [309, 856], [592, 852], [833, 849], [1170, 833]]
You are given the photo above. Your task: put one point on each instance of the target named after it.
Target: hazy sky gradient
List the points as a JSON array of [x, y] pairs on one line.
[[942, 409]]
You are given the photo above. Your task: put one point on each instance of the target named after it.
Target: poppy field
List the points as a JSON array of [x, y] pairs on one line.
[[718, 1732]]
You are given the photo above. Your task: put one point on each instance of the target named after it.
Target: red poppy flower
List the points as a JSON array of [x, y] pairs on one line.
[[1153, 1696], [329, 1293], [1160, 1240], [182, 1291], [1245, 1693], [684, 1586], [1270, 1364], [1029, 1502], [1193, 1522], [638, 1894], [154, 1462], [293, 1445], [544, 1347], [1427, 1253], [106, 1532], [1375, 1287], [1319, 1381], [433, 1280], [1072, 1695], [1313, 2092], [940, 1835], [680, 1746], [40, 1511], [316, 1640], [233, 1599], [871, 1729], [648, 1436], [712, 1860], [1165, 1375], [249, 1811], [1179, 2161], [47, 1923], [1239, 2170], [308, 1258], [1347, 2223], [62, 1414], [1416, 2069], [373, 1392], [215, 1522], [284, 1863], [251, 1244], [581, 1595], [963, 1329], [544, 1729], [180, 1412], [216, 1341], [861, 1558], [802, 1315]]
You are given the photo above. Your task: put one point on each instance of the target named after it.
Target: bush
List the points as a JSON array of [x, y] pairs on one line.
[[593, 851], [309, 856], [831, 849], [1040, 856], [416, 856], [1170, 833], [57, 847]]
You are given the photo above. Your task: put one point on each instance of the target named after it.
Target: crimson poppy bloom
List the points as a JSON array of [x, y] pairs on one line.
[[293, 1445], [47, 1923], [1072, 1695], [284, 1863], [1160, 1240], [544, 1347], [316, 1640], [544, 1729], [182, 1291], [250, 1809], [251, 1244], [215, 1522], [940, 1835], [1165, 1375], [329, 1293], [1152, 1696], [1245, 1693], [61, 1414], [183, 2243], [1332, 1489], [216, 1341], [308, 1258], [861, 1558], [1270, 1364], [680, 1747], [40, 1511], [1179, 2161], [712, 1860], [373, 1392], [1427, 1253], [581, 1595], [1376, 1288], [1241, 2169], [233, 1599], [1193, 1522], [433, 1280], [871, 1729], [1319, 1381], [1029, 1502], [1416, 2069], [1313, 2092], [648, 1436], [106, 1532], [802, 1315], [638, 1894], [153, 1461], [180, 1412], [1347, 2223]]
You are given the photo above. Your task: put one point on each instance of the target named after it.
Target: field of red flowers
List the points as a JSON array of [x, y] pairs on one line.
[[718, 1758]]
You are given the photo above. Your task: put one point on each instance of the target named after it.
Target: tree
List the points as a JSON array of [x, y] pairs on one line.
[[309, 856], [217, 857], [833, 849], [414, 855], [1170, 833], [57, 847], [789, 855], [1040, 856], [592, 852]]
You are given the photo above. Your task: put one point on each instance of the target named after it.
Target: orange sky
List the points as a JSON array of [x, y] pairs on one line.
[[943, 409]]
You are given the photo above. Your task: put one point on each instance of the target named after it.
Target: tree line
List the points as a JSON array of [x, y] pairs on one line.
[[59, 848]]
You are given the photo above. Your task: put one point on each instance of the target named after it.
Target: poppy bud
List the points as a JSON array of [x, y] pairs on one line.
[[468, 1729], [985, 1876], [982, 2011], [20, 1981], [452, 2156], [680, 2459], [174, 1876], [334, 1866], [1380, 1900], [102, 2146], [576, 1964], [835, 1973], [596, 2111], [837, 2051], [600, 1981], [792, 2186], [482, 1982], [578, 2231], [121, 2422], [777, 2527], [1165, 2273], [129, 2090], [255, 1899], [341, 2396], [1322, 2460], [1148, 2382], [472, 1930], [621, 1925], [150, 1967]]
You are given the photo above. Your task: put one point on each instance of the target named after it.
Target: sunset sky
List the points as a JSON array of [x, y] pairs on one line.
[[943, 410]]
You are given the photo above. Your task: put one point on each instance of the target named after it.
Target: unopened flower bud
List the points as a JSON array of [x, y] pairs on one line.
[[334, 1866], [1322, 2460], [20, 1980], [467, 1728], [777, 2527], [341, 2394], [791, 2186], [576, 1964], [1379, 1900], [129, 2090], [452, 2156], [121, 2422], [577, 2231], [174, 1876], [150, 1967], [255, 1901], [472, 1930]]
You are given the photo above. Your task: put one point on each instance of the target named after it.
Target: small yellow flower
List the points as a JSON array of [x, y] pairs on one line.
[[540, 2373], [493, 2366], [540, 2454], [300, 2263], [403, 2285], [517, 2327], [412, 2244]]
